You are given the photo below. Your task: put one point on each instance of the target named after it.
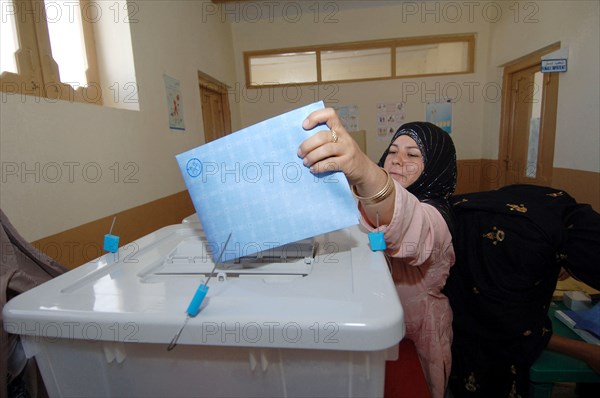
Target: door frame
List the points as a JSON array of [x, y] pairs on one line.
[[207, 82], [506, 115]]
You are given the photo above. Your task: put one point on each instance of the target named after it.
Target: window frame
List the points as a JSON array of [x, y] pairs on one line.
[[468, 38], [38, 73]]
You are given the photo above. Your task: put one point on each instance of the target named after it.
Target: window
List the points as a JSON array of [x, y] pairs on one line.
[[432, 59], [10, 43], [286, 67], [356, 64], [48, 50], [372, 60]]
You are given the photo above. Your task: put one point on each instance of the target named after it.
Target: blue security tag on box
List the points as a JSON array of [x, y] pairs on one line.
[[196, 303], [111, 243], [377, 241]]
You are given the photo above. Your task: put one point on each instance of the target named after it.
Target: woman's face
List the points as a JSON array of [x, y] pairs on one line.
[[404, 161]]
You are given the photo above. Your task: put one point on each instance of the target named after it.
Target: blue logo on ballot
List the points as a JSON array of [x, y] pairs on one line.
[[194, 167]]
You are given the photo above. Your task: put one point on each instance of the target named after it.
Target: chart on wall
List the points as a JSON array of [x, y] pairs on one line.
[[440, 114], [348, 115], [390, 116], [174, 103]]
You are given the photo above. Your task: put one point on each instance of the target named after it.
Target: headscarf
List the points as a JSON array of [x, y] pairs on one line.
[[438, 180]]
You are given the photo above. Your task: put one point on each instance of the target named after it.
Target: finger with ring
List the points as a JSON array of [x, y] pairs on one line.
[[334, 136]]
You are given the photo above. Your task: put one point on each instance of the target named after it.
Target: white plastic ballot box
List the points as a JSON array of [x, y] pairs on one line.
[[317, 318]]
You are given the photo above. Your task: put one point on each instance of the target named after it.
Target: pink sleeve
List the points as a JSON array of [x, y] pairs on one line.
[[417, 232]]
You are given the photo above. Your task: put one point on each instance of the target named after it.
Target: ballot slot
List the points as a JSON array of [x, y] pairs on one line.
[[192, 256]]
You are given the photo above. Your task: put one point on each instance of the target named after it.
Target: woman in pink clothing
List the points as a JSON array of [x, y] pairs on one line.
[[408, 192]]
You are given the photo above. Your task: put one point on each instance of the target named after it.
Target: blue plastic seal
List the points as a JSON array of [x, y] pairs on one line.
[[194, 307], [377, 241], [111, 243]]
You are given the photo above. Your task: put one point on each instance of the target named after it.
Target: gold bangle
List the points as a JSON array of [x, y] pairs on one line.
[[380, 196]]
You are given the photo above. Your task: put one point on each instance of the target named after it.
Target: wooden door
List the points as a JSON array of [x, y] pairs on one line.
[[215, 108], [529, 123]]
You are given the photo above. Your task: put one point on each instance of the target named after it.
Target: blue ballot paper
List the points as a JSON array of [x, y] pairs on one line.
[[253, 185], [588, 320]]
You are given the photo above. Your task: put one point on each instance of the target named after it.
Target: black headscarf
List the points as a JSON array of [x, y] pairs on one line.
[[437, 182]]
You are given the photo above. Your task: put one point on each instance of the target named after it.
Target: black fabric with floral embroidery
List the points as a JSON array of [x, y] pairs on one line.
[[510, 245]]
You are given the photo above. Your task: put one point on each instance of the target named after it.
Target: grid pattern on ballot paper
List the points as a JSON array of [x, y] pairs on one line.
[[252, 183]]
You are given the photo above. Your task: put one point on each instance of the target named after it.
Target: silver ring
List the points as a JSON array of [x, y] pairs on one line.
[[334, 136]]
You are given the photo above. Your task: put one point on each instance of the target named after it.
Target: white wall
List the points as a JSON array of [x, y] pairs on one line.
[[113, 41], [576, 25], [321, 23], [51, 152], [505, 31], [40, 138]]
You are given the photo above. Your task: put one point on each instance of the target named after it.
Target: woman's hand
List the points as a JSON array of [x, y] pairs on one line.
[[322, 154]]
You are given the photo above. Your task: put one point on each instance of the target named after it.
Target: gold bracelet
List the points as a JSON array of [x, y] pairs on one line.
[[380, 196]]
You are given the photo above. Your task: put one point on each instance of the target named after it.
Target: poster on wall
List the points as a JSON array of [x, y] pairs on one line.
[[348, 116], [390, 116], [174, 103], [440, 114]]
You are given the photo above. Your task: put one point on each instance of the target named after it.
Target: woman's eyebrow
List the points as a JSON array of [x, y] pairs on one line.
[[406, 147]]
